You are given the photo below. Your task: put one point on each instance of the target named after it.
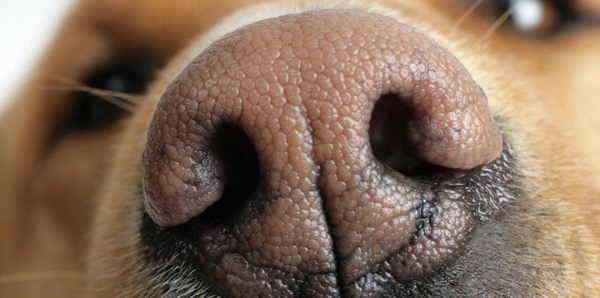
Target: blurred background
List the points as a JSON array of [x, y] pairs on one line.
[[26, 27]]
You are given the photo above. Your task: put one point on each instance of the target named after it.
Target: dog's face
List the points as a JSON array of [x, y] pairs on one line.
[[314, 148]]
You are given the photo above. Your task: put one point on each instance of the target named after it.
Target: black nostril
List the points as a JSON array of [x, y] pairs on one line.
[[389, 140], [235, 151]]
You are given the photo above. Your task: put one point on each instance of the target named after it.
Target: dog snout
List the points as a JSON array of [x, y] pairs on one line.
[[273, 149]]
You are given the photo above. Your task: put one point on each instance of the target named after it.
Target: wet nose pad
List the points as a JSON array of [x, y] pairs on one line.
[[298, 146]]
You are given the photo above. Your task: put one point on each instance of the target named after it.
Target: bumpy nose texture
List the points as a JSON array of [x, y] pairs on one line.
[[303, 88]]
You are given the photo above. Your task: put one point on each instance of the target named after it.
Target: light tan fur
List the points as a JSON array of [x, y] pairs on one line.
[[70, 216]]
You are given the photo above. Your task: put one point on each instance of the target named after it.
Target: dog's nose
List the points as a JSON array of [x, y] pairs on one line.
[[289, 148]]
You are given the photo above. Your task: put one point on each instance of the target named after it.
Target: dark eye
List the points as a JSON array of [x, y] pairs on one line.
[[106, 96], [539, 17]]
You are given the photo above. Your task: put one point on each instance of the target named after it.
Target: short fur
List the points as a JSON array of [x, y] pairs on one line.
[[71, 210]]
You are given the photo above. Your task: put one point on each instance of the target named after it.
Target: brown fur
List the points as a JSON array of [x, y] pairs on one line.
[[70, 209]]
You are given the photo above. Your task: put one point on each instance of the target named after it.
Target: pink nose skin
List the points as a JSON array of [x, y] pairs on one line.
[[324, 210]]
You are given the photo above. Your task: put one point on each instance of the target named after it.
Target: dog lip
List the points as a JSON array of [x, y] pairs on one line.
[[457, 201]]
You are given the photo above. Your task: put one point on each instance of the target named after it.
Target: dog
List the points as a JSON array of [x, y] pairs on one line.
[[309, 148]]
